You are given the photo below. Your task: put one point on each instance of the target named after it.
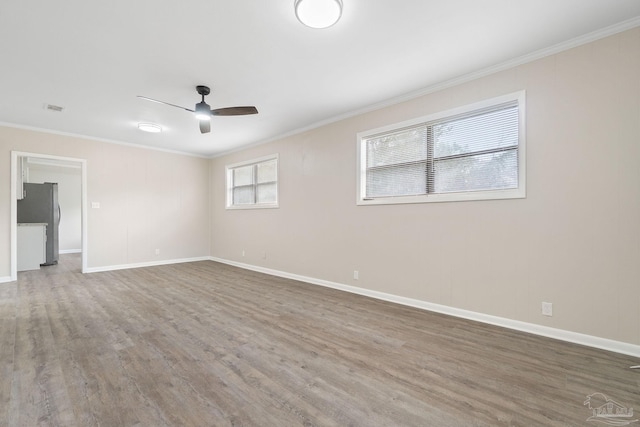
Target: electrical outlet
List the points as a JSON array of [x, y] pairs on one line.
[[356, 274], [547, 309], [157, 251], [243, 252], [264, 255]]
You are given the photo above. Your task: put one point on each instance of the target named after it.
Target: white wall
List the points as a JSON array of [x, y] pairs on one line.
[[574, 241], [148, 199], [69, 198]]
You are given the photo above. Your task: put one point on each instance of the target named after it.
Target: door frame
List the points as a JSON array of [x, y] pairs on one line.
[[15, 156]]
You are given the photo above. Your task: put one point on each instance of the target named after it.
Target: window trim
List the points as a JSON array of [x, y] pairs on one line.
[[229, 183], [515, 193]]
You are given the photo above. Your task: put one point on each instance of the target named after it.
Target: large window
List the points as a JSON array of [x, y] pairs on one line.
[[253, 184], [470, 153]]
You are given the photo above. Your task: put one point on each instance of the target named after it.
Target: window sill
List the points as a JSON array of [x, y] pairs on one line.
[[249, 207], [446, 197]]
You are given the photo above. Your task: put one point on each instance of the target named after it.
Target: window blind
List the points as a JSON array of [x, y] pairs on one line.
[[253, 183], [396, 163], [476, 152], [266, 181], [243, 189], [472, 152]]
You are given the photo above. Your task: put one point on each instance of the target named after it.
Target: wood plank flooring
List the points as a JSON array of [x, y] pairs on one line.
[[206, 344]]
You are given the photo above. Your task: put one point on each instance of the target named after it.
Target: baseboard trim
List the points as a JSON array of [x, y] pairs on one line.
[[545, 331], [144, 264], [70, 251], [6, 279]]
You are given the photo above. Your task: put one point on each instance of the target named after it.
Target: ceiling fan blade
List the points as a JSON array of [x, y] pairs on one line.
[[165, 103], [205, 126], [234, 111]]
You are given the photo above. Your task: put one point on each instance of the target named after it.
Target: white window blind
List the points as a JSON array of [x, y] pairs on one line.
[[396, 163], [253, 183], [474, 151]]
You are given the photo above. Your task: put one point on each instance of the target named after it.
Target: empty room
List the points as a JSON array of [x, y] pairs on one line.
[[320, 213]]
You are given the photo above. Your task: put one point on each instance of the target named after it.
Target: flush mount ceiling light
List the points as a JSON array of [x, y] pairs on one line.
[[150, 127], [318, 13]]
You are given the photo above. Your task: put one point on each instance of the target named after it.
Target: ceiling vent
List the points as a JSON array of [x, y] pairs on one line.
[[51, 107]]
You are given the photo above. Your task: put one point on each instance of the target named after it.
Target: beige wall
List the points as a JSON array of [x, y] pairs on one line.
[[148, 199], [574, 241]]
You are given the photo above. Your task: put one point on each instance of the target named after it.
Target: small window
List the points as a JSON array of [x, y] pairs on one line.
[[253, 184], [470, 153]]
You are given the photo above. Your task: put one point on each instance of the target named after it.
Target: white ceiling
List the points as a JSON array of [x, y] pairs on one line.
[[93, 58]]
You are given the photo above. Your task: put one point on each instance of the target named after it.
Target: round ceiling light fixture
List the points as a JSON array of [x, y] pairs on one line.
[[318, 13], [150, 127]]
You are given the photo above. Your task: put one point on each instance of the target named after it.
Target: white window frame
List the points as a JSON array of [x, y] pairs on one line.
[[229, 183], [516, 193]]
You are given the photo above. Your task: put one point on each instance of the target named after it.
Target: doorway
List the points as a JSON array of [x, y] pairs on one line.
[[42, 167]]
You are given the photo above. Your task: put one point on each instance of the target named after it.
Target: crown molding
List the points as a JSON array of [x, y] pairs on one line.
[[512, 63]]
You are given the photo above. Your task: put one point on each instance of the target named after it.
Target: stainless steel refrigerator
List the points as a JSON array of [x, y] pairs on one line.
[[40, 204]]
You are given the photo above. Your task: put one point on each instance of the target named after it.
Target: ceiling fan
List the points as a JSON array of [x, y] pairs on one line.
[[204, 113]]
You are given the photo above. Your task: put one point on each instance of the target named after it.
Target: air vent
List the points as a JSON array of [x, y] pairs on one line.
[[51, 107]]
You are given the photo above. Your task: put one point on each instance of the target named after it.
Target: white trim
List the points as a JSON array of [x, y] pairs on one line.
[[105, 140], [545, 331], [70, 251], [144, 264], [524, 59], [13, 266], [253, 206], [6, 279], [85, 218], [228, 174], [51, 162], [512, 63], [13, 218], [521, 60]]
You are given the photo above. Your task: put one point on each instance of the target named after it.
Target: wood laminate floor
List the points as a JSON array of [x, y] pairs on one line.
[[205, 344]]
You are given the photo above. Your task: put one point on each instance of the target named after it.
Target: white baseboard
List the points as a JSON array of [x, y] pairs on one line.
[[70, 251], [144, 264], [545, 331], [5, 279]]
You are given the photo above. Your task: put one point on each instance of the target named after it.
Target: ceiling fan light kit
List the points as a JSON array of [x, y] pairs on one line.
[[203, 112], [318, 13]]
